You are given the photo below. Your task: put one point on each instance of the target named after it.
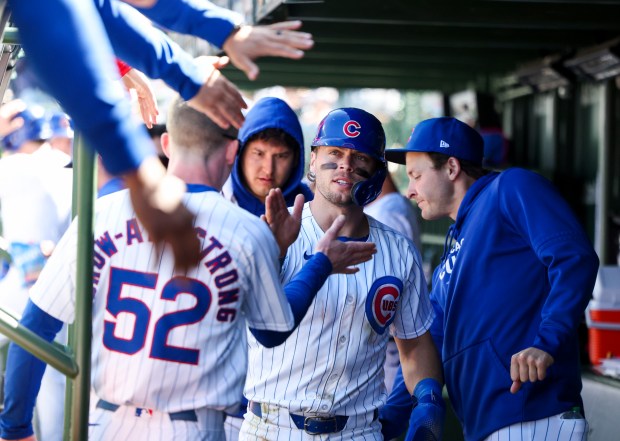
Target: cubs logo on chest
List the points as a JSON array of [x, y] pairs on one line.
[[382, 302]]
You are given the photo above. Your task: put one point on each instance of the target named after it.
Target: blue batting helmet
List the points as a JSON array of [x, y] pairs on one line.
[[35, 128], [356, 129]]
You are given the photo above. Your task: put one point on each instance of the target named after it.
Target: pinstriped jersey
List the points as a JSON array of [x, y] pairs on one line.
[[163, 339], [333, 362]]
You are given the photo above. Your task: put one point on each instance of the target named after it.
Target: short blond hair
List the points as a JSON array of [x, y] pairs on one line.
[[193, 130]]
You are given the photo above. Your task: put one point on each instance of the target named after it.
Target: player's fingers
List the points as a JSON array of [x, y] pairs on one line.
[[247, 66], [234, 103], [290, 25], [514, 368], [350, 270], [515, 387], [336, 226], [540, 369], [208, 61], [298, 206], [220, 100], [284, 49], [221, 62], [145, 113]]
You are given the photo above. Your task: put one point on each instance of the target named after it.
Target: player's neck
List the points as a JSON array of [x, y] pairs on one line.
[[324, 213]]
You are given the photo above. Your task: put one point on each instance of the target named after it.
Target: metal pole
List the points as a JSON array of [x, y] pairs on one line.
[[82, 329]]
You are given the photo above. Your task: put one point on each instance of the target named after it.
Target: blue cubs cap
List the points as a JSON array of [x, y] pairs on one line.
[[445, 135]]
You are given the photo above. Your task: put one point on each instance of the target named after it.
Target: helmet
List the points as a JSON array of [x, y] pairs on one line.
[[356, 129], [61, 125], [35, 128]]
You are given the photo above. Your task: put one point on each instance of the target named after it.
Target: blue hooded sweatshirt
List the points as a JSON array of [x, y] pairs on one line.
[[270, 113], [519, 275]]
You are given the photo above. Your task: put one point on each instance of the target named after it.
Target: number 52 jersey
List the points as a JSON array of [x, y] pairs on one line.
[[163, 339]]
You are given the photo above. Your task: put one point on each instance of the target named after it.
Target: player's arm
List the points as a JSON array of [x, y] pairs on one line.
[[149, 50], [219, 26], [23, 376], [423, 377], [549, 225], [331, 256], [77, 68]]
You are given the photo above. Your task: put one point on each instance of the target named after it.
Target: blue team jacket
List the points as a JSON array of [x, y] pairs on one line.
[[520, 274]]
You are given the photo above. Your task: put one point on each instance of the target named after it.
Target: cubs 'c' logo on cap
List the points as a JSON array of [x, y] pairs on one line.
[[382, 301], [352, 129]]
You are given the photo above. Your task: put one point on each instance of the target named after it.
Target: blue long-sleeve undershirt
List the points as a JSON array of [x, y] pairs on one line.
[[300, 292]]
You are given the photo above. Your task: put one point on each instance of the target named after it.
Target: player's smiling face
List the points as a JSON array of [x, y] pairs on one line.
[[431, 188], [265, 166], [337, 169]]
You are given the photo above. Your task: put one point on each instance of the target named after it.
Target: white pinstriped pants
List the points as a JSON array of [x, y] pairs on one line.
[[552, 428], [123, 424]]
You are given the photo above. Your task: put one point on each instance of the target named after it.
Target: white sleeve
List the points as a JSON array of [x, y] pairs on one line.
[[266, 306], [54, 291]]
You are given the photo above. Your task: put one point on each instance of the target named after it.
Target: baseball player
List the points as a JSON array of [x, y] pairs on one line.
[[327, 378], [166, 355], [35, 210], [516, 275], [271, 155]]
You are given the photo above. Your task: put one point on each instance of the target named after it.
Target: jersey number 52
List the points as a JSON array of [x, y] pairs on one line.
[[160, 348]]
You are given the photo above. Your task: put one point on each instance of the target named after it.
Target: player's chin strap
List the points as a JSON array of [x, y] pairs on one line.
[[364, 192], [429, 412]]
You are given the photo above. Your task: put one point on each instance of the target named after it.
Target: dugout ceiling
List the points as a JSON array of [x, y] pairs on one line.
[[429, 44]]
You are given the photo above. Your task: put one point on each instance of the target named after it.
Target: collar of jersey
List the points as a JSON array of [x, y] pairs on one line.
[[199, 188]]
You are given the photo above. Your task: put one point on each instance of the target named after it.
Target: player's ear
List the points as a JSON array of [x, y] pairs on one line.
[[312, 166], [231, 151], [165, 144], [453, 168]]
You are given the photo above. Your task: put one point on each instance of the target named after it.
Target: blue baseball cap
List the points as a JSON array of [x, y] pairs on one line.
[[445, 135]]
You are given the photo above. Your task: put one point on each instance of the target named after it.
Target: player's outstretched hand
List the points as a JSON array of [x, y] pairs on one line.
[[283, 224], [528, 365], [158, 201], [274, 40], [8, 122], [344, 255], [218, 98], [136, 80]]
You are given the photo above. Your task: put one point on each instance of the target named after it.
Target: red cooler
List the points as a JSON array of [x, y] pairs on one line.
[[603, 316]]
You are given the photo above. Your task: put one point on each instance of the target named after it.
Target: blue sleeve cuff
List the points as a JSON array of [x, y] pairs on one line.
[[199, 18], [394, 415]]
